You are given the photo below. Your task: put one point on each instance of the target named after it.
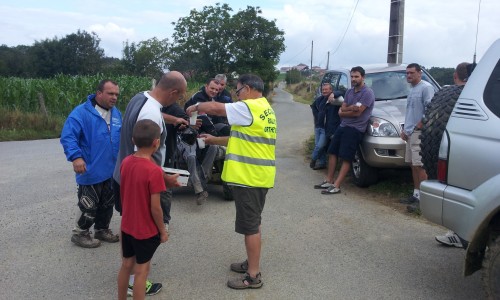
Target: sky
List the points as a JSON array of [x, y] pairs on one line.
[[355, 32]]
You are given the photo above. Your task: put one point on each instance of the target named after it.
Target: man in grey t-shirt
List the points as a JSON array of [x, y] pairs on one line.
[[420, 95]]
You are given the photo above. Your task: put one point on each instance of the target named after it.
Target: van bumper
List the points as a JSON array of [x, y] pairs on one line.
[[452, 207]]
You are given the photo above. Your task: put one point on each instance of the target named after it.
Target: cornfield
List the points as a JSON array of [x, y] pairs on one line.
[[59, 95], [31, 107]]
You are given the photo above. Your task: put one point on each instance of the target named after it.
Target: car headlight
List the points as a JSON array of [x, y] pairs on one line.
[[381, 127]]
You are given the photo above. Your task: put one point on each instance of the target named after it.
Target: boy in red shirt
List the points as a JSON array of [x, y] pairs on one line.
[[142, 228]]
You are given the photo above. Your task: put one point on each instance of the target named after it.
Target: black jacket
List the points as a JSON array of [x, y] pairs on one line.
[[202, 96]]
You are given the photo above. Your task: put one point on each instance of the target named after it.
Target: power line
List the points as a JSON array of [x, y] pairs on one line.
[[322, 60], [341, 40], [347, 28], [307, 46]]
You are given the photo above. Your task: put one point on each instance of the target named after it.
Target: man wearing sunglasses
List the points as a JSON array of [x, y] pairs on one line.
[[249, 167]]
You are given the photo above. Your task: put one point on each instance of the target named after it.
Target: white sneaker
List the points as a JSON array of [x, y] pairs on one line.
[[331, 190], [450, 239], [324, 185]]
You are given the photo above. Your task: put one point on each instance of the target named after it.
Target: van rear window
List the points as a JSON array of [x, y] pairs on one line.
[[491, 94]]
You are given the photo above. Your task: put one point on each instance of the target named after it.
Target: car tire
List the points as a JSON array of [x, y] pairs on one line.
[[227, 192], [436, 117], [491, 270], [363, 175]]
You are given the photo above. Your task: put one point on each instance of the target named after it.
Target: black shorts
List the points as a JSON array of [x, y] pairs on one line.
[[143, 250], [345, 143], [249, 204]]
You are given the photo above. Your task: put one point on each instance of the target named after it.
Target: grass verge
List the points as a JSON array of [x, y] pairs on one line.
[[16, 125], [302, 92]]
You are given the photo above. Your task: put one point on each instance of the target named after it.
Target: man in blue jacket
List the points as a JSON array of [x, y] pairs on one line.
[[90, 138]]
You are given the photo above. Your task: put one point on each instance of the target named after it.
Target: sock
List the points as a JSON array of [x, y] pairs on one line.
[[131, 280], [416, 193]]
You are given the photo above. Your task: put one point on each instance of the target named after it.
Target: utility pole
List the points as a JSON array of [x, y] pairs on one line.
[[311, 70], [396, 29], [327, 60], [312, 47]]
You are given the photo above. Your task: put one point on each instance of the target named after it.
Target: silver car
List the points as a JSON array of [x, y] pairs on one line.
[[465, 197], [382, 146]]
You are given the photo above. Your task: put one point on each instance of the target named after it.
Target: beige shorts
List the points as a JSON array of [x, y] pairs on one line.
[[412, 154]]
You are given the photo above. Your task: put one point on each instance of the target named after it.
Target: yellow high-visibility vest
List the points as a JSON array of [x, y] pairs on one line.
[[250, 155]]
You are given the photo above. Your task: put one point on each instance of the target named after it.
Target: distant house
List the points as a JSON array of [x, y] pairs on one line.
[[318, 70], [285, 69], [301, 67]]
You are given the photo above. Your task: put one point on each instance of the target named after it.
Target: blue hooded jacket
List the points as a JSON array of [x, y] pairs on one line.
[[85, 134]]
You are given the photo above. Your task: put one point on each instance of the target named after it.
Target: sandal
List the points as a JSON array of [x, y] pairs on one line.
[[240, 267]]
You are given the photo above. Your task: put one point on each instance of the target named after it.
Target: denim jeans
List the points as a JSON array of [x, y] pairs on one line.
[[319, 153], [198, 177]]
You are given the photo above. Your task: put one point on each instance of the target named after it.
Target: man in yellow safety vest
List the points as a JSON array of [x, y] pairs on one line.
[[249, 166]]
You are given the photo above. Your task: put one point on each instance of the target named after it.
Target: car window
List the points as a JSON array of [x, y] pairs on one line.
[[388, 85], [343, 83], [331, 77], [392, 84], [491, 93]]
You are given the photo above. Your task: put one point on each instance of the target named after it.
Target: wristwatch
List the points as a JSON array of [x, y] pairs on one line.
[[196, 105]]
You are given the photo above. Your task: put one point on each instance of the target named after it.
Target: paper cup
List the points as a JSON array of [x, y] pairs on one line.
[[201, 143], [192, 119]]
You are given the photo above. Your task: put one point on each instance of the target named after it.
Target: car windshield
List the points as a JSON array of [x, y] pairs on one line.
[[391, 85], [388, 85]]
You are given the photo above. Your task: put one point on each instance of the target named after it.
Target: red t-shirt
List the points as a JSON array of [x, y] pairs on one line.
[[140, 178]]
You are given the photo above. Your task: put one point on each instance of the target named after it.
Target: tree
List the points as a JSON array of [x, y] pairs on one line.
[[75, 54], [81, 54], [13, 61], [45, 58], [442, 75], [147, 58], [201, 41], [112, 66], [257, 44], [293, 76], [212, 41]]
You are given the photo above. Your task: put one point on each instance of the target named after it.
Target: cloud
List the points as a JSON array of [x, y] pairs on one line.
[[112, 37], [436, 33], [325, 22]]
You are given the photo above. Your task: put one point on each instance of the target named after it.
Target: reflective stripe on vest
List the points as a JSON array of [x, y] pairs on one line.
[[255, 139]]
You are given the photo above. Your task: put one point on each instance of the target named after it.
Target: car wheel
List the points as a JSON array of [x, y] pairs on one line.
[[491, 270], [363, 174], [435, 120], [227, 191]]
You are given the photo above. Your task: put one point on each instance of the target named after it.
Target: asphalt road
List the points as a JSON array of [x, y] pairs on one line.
[[314, 246]]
